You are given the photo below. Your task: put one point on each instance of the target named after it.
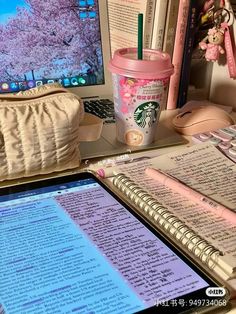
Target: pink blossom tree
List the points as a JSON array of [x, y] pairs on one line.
[[48, 37]]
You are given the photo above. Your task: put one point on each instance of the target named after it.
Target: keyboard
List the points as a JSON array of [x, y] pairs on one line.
[[102, 108], [224, 139]]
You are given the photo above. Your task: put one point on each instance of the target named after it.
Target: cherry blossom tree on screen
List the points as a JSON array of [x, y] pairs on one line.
[[50, 37]]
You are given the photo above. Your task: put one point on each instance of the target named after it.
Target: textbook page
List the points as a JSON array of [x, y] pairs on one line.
[[123, 22], [205, 169]]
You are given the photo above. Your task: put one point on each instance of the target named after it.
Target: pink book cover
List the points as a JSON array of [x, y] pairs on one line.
[[178, 53]]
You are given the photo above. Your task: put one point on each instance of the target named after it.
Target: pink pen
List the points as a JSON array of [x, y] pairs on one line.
[[191, 194]]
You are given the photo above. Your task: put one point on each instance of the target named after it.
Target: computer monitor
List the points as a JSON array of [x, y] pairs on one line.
[[64, 41]]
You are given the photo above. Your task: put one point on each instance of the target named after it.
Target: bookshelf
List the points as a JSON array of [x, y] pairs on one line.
[[208, 80]]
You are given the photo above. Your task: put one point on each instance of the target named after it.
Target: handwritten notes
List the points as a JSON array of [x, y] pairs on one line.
[[204, 168]]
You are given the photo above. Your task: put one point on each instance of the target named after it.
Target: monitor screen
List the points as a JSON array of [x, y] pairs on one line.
[[49, 41]]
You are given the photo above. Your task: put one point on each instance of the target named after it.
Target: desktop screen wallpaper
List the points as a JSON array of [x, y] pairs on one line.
[[47, 41]]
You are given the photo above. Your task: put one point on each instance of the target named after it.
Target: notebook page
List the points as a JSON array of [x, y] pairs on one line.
[[205, 169], [201, 163]]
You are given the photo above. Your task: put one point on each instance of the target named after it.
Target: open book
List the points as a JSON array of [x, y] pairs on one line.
[[211, 239]]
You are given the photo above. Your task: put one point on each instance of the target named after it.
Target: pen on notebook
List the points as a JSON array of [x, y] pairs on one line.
[[181, 188], [106, 172]]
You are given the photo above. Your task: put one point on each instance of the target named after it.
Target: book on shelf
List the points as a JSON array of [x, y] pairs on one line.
[[123, 22], [170, 26], [159, 24], [169, 37], [193, 15], [177, 58], [204, 235]]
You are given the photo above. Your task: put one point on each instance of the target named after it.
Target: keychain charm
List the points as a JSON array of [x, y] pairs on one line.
[[217, 37], [214, 41], [229, 51], [213, 44]]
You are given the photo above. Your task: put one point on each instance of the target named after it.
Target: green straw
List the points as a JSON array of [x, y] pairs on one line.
[[140, 36]]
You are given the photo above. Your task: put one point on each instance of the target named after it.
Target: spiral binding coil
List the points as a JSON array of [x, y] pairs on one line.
[[178, 230]]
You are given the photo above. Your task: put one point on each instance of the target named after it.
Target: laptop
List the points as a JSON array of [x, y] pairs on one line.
[[70, 46]]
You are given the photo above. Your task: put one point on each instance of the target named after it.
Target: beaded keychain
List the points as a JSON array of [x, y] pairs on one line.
[[218, 40]]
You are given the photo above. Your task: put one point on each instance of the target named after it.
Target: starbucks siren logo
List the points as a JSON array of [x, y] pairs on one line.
[[146, 114]]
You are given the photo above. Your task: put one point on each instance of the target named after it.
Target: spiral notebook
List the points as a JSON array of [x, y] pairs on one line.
[[208, 238]]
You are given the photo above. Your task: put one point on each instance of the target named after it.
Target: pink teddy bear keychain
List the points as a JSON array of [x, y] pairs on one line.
[[213, 47]]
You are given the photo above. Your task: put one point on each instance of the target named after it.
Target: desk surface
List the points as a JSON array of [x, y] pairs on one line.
[[166, 126], [166, 118]]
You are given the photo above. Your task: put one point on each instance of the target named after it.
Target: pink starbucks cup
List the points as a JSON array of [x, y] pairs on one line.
[[138, 88]]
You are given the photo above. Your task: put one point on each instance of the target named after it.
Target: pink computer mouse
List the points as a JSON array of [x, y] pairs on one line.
[[201, 119]]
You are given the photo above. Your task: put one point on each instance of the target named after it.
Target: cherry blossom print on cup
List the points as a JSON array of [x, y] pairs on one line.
[[138, 88]]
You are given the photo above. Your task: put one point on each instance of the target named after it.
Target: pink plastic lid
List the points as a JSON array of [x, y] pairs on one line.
[[155, 64]]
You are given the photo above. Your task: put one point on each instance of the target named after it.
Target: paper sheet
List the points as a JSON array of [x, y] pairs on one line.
[[205, 169]]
